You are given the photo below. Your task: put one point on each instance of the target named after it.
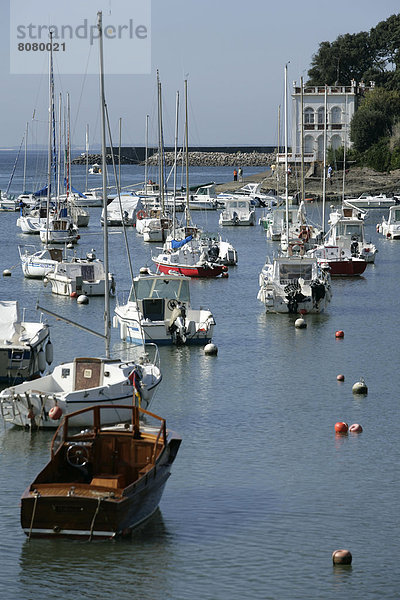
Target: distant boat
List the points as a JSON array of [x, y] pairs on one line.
[[238, 211], [372, 201], [24, 345], [80, 276], [102, 482], [390, 228], [95, 169]]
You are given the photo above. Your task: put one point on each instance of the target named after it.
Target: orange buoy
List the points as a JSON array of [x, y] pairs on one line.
[[55, 413], [339, 334], [342, 557], [73, 295], [355, 428], [341, 427], [340, 377]]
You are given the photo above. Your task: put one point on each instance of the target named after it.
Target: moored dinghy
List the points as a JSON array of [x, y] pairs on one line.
[[101, 482]]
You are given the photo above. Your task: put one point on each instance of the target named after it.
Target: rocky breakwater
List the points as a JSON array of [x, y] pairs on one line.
[[219, 159], [96, 159]]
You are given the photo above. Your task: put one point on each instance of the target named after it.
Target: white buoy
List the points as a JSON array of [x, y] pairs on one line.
[[144, 271], [82, 299], [300, 323], [6, 273], [210, 349], [360, 387], [70, 245]]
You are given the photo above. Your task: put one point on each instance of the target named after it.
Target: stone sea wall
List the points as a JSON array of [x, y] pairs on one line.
[[196, 159]]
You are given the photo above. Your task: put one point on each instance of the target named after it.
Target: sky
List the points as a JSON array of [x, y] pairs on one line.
[[231, 53]]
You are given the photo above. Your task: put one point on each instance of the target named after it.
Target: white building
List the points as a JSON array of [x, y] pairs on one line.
[[341, 104]]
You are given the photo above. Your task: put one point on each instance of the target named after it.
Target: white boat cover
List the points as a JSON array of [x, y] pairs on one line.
[[9, 319]]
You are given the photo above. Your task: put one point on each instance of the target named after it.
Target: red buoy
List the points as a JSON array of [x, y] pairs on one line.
[[73, 294], [339, 334], [341, 427], [340, 377], [55, 413], [355, 428]]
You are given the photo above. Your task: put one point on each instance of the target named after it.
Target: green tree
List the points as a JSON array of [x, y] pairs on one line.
[[375, 118]]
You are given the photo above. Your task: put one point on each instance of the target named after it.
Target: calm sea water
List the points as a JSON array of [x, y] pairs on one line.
[[262, 490]]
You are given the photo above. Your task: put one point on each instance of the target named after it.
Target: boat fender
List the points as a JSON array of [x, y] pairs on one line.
[[49, 352], [55, 413], [41, 360]]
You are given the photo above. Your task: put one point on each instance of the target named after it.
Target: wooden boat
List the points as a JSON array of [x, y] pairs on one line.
[[102, 482]]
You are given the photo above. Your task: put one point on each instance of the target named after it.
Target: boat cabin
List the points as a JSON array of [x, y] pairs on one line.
[[154, 293]]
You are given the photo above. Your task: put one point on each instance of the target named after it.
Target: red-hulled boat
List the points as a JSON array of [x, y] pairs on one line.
[[340, 261]]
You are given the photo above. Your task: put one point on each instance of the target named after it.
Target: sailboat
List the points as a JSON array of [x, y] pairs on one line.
[[293, 282], [184, 252], [85, 382]]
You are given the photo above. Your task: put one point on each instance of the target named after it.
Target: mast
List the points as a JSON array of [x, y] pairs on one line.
[[324, 162], [187, 156], [279, 150], [160, 144], [175, 161], [87, 157], [119, 152], [286, 159], [49, 153], [26, 151], [146, 158], [344, 151], [302, 138], [107, 323], [59, 146]]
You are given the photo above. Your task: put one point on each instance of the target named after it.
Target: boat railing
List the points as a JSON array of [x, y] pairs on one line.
[[66, 432]]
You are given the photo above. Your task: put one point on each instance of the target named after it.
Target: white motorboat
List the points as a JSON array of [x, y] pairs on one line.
[[80, 276], [238, 211], [158, 310], [294, 284], [95, 169], [390, 228], [204, 198], [347, 230], [25, 346], [37, 264], [372, 201]]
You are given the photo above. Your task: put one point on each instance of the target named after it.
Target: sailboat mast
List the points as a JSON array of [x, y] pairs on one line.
[[119, 152], [344, 151], [187, 155], [175, 161], [279, 150], [49, 154], [302, 138], [87, 157], [26, 151], [107, 323], [59, 146], [146, 158], [286, 158], [160, 144], [324, 162]]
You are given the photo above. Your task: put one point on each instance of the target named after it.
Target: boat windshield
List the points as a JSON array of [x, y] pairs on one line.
[[349, 229], [289, 272], [167, 288]]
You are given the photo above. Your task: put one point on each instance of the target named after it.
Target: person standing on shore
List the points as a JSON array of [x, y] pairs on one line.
[[240, 173], [235, 174], [330, 172]]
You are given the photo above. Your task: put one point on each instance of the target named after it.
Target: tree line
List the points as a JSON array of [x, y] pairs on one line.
[[367, 56]]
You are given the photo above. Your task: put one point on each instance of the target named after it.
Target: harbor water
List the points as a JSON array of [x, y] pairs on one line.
[[262, 490]]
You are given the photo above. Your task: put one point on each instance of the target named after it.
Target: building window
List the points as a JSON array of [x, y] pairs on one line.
[[308, 144], [336, 115], [336, 142], [308, 116], [321, 113]]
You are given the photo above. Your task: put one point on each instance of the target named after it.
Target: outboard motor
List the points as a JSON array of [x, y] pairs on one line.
[[177, 324], [294, 296], [354, 246]]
